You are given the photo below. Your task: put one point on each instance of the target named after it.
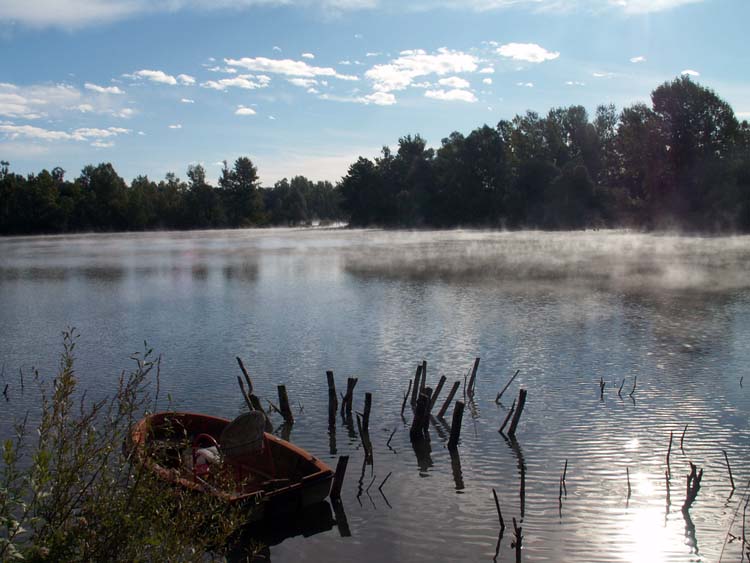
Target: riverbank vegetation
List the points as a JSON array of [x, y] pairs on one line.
[[70, 492], [682, 162]]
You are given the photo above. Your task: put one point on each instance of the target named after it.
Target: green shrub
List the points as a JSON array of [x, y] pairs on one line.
[[70, 491]]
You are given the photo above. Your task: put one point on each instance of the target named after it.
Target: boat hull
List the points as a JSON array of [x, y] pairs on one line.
[[293, 478]]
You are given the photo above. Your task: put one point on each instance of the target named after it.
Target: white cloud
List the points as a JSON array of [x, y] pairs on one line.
[[648, 6], [303, 82], [243, 81], [529, 52], [224, 69], [525, 84], [742, 114], [187, 101], [638, 59], [175, 126], [157, 76], [124, 112], [54, 101], [276, 48], [103, 144], [487, 81], [399, 73], [102, 89], [186, 79], [379, 99], [13, 131], [286, 67], [690, 72], [603, 74], [454, 82], [575, 83], [272, 118], [487, 70], [455, 95], [242, 110], [373, 54], [307, 56]]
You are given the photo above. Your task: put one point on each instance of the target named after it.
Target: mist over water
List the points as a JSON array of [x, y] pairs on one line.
[[565, 308]]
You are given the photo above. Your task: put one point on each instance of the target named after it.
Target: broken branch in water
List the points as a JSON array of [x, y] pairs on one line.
[[693, 486], [500, 394], [507, 417], [729, 468]]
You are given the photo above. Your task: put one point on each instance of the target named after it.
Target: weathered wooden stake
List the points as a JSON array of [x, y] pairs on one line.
[[366, 414], [635, 382], [669, 450], [333, 399], [421, 414], [627, 473], [346, 405], [601, 387], [500, 394], [338, 477], [416, 389], [619, 391], [406, 397], [683, 436], [439, 388], [448, 400], [423, 381], [286, 411], [517, 415], [507, 416], [458, 417], [473, 378], [693, 486], [242, 388], [247, 377], [729, 468]]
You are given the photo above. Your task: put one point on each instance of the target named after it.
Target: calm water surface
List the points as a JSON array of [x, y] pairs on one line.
[[565, 309]]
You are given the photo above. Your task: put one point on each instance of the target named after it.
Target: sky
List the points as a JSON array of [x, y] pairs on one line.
[[305, 87]]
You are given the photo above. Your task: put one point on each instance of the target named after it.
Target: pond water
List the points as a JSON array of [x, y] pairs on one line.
[[566, 309]]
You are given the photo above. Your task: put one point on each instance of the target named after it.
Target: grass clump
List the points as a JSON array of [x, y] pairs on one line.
[[70, 491]]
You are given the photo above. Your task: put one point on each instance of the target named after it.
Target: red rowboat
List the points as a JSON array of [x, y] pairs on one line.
[[232, 460]]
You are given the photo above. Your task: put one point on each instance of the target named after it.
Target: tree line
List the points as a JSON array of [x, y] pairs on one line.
[[683, 162]]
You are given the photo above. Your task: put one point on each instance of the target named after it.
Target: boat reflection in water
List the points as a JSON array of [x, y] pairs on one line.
[[254, 542]]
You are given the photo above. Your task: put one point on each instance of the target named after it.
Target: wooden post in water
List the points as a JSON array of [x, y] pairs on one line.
[[517, 415], [338, 477], [286, 411], [416, 389], [507, 416], [366, 414], [244, 394], [346, 405], [458, 417], [448, 400], [421, 413], [729, 468], [423, 381], [437, 392], [473, 378], [333, 400], [247, 377]]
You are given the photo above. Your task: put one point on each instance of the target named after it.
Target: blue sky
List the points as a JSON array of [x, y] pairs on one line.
[[305, 87]]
